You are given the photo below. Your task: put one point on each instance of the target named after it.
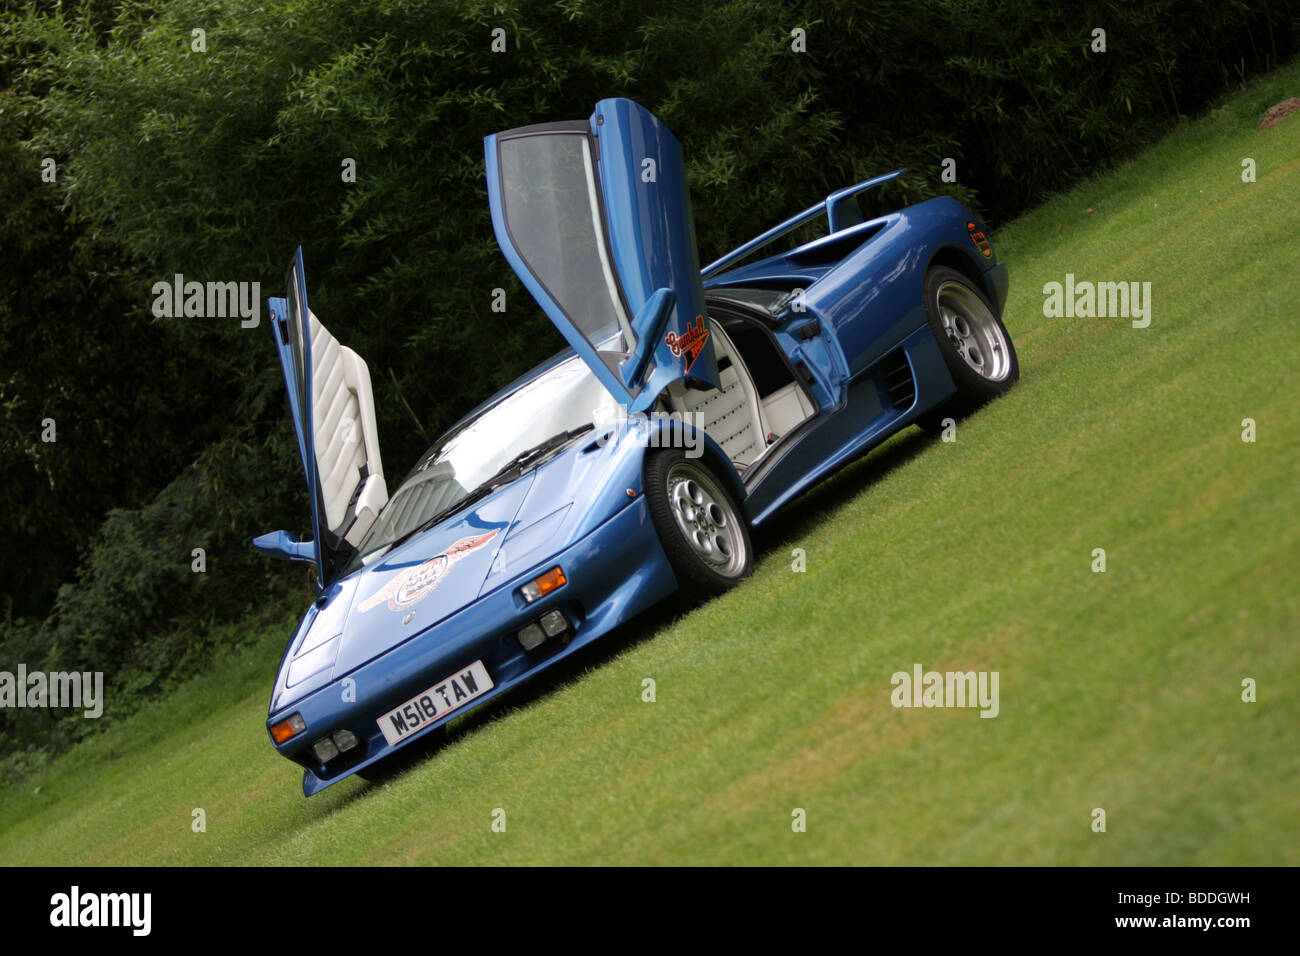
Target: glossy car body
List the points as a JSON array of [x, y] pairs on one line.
[[815, 354]]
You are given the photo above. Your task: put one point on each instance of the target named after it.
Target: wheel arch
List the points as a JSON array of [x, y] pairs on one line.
[[955, 257], [711, 453]]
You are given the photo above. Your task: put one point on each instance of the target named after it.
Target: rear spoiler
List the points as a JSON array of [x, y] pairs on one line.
[[841, 213]]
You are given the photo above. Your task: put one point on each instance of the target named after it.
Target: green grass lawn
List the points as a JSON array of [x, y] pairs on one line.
[[1119, 691]]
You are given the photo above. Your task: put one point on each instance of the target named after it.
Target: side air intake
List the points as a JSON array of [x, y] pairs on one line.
[[900, 387]]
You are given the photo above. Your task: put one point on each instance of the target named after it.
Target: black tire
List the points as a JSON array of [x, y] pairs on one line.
[[718, 553], [983, 362]]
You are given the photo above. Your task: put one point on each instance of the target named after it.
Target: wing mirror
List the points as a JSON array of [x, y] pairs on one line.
[[282, 544], [648, 327]]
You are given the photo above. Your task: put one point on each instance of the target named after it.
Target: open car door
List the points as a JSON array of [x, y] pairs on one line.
[[594, 216], [333, 412]]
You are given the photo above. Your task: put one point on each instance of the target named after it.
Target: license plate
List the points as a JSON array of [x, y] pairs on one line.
[[438, 701]]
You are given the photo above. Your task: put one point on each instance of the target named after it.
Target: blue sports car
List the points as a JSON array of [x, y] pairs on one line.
[[691, 406]]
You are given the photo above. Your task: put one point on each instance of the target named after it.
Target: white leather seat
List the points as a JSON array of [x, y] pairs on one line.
[[345, 436], [732, 415]]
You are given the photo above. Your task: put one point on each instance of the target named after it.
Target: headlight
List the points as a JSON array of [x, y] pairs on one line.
[[531, 636]]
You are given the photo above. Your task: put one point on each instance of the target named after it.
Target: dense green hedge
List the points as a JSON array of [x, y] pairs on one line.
[[216, 164]]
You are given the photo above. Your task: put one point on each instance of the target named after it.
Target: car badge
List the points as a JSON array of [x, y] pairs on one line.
[[413, 585], [691, 344]]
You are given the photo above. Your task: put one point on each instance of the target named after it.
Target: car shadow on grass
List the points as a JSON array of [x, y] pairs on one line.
[[793, 522], [824, 499]]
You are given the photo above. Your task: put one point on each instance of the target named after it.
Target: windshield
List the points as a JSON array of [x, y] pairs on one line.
[[519, 429]]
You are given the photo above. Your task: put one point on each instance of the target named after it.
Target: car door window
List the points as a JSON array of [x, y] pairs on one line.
[[552, 211]]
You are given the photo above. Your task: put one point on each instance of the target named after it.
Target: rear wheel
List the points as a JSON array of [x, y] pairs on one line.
[[703, 531], [973, 341]]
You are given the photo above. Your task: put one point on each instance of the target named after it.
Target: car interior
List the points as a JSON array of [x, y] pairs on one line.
[[760, 402]]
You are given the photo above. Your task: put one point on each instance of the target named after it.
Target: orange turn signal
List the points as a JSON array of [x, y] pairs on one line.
[[288, 728], [544, 584]]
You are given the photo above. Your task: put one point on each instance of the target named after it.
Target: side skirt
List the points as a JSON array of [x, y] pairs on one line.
[[869, 415]]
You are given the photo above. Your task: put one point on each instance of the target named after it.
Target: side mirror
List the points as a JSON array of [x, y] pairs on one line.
[[648, 327], [282, 544]]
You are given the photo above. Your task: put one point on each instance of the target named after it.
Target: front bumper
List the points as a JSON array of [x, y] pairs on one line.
[[615, 572]]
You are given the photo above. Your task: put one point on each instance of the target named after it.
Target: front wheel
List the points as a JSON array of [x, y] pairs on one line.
[[702, 529], [973, 341]]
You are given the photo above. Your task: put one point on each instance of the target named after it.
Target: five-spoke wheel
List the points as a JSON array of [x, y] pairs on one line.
[[703, 531]]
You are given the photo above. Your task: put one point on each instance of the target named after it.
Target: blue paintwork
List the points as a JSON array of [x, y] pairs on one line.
[[585, 509], [650, 325], [282, 544]]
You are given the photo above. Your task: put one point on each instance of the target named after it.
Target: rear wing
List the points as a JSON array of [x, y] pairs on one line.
[[841, 211]]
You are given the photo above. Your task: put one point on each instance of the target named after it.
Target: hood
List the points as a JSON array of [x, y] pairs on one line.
[[406, 591]]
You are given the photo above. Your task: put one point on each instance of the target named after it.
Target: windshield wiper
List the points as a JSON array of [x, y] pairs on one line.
[[508, 472], [516, 466]]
